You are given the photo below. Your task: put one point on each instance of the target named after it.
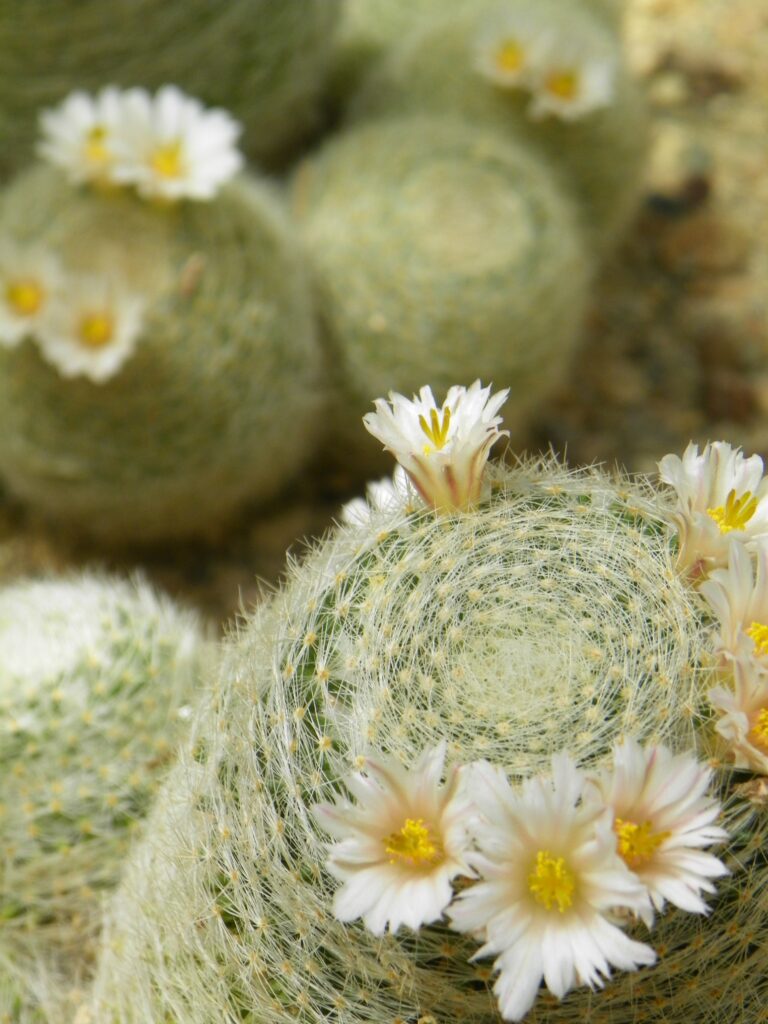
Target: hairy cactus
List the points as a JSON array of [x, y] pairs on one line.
[[262, 60], [549, 617], [95, 680], [226, 357], [600, 156], [440, 252]]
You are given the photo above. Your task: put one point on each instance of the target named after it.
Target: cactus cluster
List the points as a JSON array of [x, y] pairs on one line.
[[551, 616], [96, 680]]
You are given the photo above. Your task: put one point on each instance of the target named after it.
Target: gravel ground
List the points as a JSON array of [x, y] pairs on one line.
[[677, 344]]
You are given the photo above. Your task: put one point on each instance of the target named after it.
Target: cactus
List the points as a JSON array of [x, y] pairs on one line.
[[443, 252], [95, 680], [549, 617], [600, 156], [262, 60], [226, 358]]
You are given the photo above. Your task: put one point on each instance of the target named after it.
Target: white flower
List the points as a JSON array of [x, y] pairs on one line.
[[92, 329], [744, 717], [574, 74], [401, 845], [443, 450], [79, 134], [550, 876], [170, 147], [738, 596], [662, 819], [721, 496], [507, 43], [386, 495], [29, 279]]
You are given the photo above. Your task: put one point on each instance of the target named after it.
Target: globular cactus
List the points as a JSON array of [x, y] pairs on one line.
[[548, 617], [226, 358], [440, 251], [264, 61], [600, 156], [96, 680]]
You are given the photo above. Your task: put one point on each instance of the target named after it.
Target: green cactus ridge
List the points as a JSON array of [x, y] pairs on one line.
[[443, 253], [264, 61], [96, 679], [600, 157], [549, 618], [225, 370]]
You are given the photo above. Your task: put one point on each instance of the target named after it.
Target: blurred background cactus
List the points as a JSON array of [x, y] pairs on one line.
[[263, 61], [96, 680]]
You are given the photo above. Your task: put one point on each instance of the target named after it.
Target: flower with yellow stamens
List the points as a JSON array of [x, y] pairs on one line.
[[399, 847], [395, 492], [574, 74], [721, 497], [743, 722], [29, 280], [550, 876], [79, 134], [443, 449], [663, 818], [91, 330], [506, 44], [738, 595]]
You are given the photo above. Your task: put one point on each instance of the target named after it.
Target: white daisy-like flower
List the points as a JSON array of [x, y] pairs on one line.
[[574, 74], [170, 147], [79, 134], [399, 847], [738, 596], [385, 495], [744, 717], [442, 449], [508, 43], [30, 278], [550, 876], [663, 818], [721, 496], [92, 329]]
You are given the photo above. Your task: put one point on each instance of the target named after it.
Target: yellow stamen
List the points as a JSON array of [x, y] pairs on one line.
[[435, 430], [414, 844], [758, 631], [96, 329], [563, 84], [25, 296], [167, 160], [759, 731], [637, 843], [551, 882], [510, 56], [96, 151], [736, 513]]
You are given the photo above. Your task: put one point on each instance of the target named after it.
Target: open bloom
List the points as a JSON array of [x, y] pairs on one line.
[[574, 73], [29, 280], [721, 496], [79, 134], [662, 819], [170, 147], [444, 450], [744, 717], [508, 42], [738, 596], [385, 495], [550, 876], [400, 845], [92, 329]]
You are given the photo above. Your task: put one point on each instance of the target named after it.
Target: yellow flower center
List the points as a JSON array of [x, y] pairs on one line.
[[25, 297], [759, 731], [437, 429], [736, 512], [414, 844], [551, 882], [510, 56], [758, 631], [167, 160], [637, 843], [96, 151], [96, 329], [563, 84]]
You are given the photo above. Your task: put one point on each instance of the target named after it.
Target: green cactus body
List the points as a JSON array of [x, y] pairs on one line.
[[95, 680], [225, 370], [441, 252], [600, 156], [549, 618], [263, 61]]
